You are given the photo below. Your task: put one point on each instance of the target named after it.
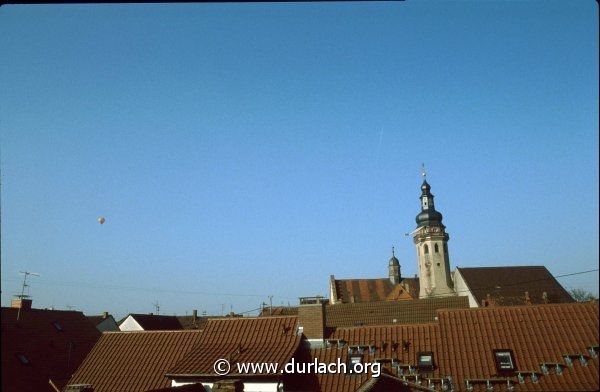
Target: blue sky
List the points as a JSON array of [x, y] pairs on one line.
[[239, 151]]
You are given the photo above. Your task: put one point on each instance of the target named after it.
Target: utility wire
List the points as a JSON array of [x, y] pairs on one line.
[[155, 290], [190, 292]]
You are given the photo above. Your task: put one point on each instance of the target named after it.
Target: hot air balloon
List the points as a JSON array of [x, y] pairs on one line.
[[101, 220]]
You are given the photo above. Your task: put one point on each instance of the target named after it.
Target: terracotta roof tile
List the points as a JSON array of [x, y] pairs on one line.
[[279, 311], [369, 290], [264, 339], [536, 334], [53, 352], [134, 361], [463, 340], [507, 285], [389, 312]]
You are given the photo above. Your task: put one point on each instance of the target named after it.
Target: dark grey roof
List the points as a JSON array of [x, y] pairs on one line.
[[152, 322], [509, 285]]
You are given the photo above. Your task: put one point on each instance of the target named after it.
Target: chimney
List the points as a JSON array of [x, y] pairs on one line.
[[311, 317], [195, 314], [20, 303], [104, 315], [527, 299]]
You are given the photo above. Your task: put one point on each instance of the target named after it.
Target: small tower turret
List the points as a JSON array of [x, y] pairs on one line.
[[394, 269]]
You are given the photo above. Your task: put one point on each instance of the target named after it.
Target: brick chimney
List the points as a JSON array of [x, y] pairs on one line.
[[21, 303], [104, 315], [311, 317]]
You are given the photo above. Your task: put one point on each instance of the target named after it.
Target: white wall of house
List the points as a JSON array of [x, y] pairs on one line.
[[248, 386], [260, 387], [130, 325], [460, 286]]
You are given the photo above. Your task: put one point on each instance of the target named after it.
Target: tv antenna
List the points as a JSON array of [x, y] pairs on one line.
[[22, 296], [157, 307]]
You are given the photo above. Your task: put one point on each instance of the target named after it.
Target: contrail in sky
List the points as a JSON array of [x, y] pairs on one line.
[[379, 147]]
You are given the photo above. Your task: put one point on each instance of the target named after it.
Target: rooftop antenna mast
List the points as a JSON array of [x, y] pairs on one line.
[[156, 307], [23, 295]]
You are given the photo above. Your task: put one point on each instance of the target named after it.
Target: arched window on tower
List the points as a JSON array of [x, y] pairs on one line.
[[445, 248], [426, 249], [436, 248]]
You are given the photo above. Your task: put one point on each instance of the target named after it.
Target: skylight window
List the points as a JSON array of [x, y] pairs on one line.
[[353, 361], [425, 360], [57, 326], [505, 361]]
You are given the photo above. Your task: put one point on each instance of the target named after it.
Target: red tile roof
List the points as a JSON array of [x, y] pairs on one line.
[[535, 334], [462, 342], [390, 312], [279, 311], [134, 361], [53, 351], [268, 339], [198, 322], [507, 285], [369, 290]]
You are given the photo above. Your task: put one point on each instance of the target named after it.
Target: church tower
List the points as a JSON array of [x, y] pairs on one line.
[[431, 241]]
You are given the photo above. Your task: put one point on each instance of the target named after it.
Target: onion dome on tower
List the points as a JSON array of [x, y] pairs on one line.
[[428, 215]]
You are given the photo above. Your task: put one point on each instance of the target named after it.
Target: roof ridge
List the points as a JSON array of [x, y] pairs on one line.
[[506, 266], [251, 317], [154, 331], [493, 308]]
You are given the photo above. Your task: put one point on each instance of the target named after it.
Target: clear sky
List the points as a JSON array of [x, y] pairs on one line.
[[239, 151]]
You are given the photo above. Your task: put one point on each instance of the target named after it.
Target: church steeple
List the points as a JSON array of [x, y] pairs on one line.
[[431, 241], [428, 215]]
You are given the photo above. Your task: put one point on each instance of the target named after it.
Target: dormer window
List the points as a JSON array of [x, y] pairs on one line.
[[425, 360], [354, 360], [505, 361]]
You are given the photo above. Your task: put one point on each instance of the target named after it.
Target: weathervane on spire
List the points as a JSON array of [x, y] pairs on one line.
[[423, 172]]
